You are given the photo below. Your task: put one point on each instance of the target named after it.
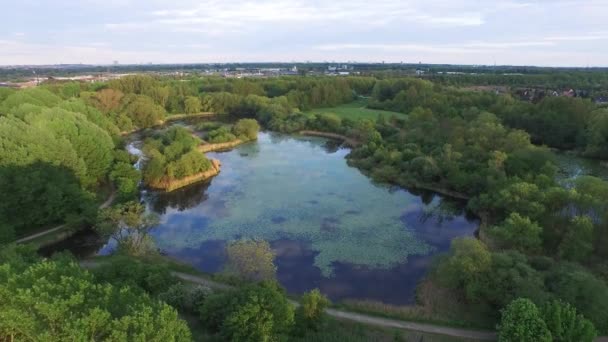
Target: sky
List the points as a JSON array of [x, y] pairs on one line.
[[502, 32]]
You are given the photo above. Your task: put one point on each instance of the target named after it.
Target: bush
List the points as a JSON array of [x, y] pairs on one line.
[[246, 129], [522, 322], [220, 135], [566, 325], [310, 315], [257, 312], [152, 278], [185, 298]]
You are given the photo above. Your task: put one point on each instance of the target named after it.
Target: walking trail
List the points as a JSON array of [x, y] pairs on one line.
[[105, 204], [366, 319]]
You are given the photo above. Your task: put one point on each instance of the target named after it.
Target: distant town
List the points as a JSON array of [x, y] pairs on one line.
[[477, 77]]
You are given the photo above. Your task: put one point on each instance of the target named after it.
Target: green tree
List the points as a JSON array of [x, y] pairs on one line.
[[142, 110], [129, 225], [519, 233], [565, 324], [192, 105], [246, 129], [522, 322], [310, 315], [577, 243], [256, 312], [58, 301], [468, 261]]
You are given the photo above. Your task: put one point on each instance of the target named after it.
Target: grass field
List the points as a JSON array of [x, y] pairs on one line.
[[357, 110]]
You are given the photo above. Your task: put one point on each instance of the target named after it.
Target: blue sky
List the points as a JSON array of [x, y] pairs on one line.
[[516, 32]]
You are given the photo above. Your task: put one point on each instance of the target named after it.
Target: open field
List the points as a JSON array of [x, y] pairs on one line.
[[357, 110]]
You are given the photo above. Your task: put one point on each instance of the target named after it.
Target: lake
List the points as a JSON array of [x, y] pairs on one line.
[[330, 226]]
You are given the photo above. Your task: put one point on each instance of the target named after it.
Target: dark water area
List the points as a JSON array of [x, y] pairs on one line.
[[330, 226], [82, 244]]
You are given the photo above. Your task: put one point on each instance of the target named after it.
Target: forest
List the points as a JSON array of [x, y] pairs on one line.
[[540, 258]]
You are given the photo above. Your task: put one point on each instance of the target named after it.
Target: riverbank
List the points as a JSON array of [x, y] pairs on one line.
[[347, 141], [220, 146], [169, 185]]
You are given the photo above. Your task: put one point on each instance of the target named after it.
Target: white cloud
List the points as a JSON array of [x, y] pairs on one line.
[[457, 31]]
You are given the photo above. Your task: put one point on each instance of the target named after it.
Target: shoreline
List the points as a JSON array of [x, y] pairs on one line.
[[348, 141], [174, 184], [220, 146]]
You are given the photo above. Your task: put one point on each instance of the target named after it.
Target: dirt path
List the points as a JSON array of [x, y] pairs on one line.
[[366, 319], [105, 204]]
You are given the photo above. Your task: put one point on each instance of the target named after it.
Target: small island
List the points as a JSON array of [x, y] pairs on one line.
[[221, 137], [176, 156], [174, 161]]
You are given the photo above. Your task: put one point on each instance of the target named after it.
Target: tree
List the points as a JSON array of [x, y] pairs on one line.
[[251, 260], [522, 322], [108, 100], [129, 225], [256, 312], [577, 243], [192, 105], [310, 315], [519, 233], [142, 110], [565, 324], [59, 301], [246, 129], [468, 261]]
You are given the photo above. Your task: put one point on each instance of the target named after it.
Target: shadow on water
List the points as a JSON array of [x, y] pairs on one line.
[[180, 199]]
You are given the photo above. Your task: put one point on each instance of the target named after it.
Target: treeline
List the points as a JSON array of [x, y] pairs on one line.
[[56, 153], [595, 82], [538, 239], [561, 122]]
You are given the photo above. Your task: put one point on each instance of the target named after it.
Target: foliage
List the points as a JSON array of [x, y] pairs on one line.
[[127, 179], [251, 259], [310, 315], [220, 135], [565, 324], [246, 129], [41, 194], [126, 271], [519, 233], [522, 321], [192, 105], [173, 155], [142, 110], [129, 225], [463, 268], [58, 301], [185, 298], [258, 312]]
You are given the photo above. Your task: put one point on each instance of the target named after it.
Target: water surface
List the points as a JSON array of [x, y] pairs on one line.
[[331, 226]]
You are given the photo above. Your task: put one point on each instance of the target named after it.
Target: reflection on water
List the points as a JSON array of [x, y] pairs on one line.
[[330, 226], [571, 167]]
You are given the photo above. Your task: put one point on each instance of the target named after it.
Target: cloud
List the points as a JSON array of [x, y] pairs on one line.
[[457, 31]]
